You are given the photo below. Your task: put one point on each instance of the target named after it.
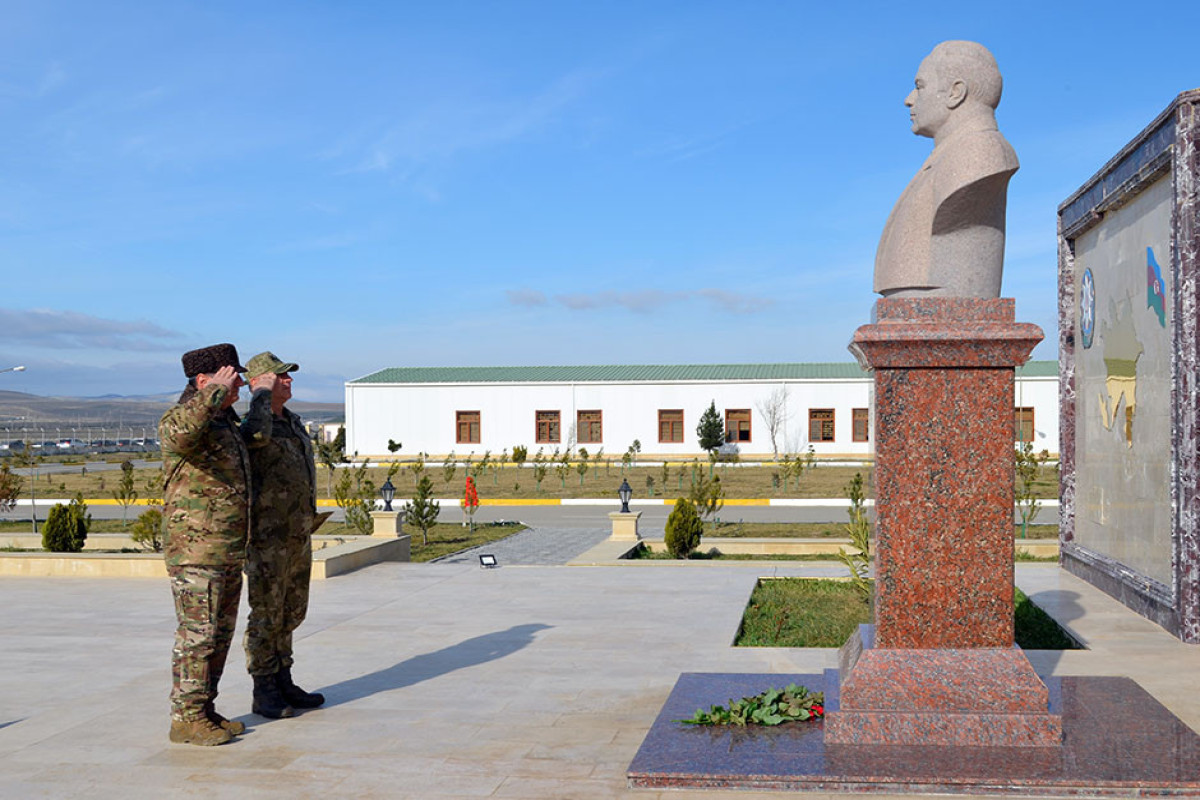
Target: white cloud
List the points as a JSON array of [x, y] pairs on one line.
[[71, 330]]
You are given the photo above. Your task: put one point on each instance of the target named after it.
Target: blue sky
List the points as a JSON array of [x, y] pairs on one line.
[[358, 185]]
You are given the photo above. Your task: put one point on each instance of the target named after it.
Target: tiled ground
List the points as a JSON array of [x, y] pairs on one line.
[[444, 681]]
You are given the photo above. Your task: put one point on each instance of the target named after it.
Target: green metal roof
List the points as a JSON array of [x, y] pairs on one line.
[[634, 373], [1038, 369]]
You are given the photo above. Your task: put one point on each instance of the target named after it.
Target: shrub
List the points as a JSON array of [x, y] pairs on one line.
[[65, 531], [422, 512], [859, 531], [146, 531], [125, 494], [355, 495], [707, 495], [683, 529]]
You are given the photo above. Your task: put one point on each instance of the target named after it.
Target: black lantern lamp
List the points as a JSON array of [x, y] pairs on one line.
[[388, 491], [625, 493]]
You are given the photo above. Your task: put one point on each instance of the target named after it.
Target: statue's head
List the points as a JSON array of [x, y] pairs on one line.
[[957, 76]]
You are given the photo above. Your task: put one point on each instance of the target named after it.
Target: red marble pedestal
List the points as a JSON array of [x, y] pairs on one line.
[[942, 668]]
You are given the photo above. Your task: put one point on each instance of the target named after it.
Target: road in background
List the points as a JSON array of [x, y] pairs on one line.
[[652, 522]]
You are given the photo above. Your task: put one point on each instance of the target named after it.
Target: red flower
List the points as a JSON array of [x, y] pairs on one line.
[[818, 710]]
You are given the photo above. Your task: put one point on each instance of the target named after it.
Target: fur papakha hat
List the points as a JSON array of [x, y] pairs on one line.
[[208, 360]]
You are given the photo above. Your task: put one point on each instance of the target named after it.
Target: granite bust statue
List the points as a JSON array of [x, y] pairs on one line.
[[945, 236]]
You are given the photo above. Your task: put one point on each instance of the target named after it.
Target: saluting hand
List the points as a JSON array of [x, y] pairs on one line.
[[226, 376], [265, 381]]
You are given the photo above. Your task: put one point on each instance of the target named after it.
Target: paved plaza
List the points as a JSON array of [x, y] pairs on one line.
[[535, 547], [443, 680]]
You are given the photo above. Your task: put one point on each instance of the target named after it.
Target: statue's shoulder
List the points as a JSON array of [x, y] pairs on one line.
[[971, 157]]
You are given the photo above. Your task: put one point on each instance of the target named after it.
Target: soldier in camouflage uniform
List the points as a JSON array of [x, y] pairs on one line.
[[279, 557], [206, 513]]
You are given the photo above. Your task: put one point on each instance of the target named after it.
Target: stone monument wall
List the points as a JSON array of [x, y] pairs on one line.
[[1129, 369]]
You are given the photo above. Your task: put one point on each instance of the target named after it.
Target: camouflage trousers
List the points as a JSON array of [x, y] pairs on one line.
[[278, 567], [206, 605]]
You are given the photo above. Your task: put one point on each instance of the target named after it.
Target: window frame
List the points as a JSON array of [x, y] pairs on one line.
[[580, 426], [1019, 424], [537, 427], [832, 424], [862, 415], [749, 421], [461, 417], [672, 423]]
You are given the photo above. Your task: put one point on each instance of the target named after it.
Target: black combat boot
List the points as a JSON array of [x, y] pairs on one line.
[[293, 694], [268, 700]]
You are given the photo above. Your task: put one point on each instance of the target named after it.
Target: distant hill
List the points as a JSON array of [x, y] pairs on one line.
[[19, 410]]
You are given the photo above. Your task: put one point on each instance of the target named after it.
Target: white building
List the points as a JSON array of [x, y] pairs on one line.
[[473, 409]]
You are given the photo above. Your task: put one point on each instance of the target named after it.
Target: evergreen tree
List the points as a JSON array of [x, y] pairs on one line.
[[66, 527], [683, 530], [423, 510], [711, 430]]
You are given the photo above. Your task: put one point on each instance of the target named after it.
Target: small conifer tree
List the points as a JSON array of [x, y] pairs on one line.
[[711, 431], [146, 530], [422, 511], [64, 531], [684, 529]]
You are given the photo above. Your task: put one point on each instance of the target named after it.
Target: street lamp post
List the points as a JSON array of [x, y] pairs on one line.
[[389, 493], [624, 523], [13, 369], [625, 493]]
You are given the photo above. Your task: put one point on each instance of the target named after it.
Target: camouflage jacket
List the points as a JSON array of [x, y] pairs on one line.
[[284, 481], [206, 476]]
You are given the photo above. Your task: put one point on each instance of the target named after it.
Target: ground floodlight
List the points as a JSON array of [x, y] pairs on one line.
[[487, 561]]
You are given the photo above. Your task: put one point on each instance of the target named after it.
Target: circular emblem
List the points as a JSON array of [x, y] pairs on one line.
[[1087, 307]]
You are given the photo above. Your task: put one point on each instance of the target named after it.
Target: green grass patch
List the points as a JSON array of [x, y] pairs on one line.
[[775, 530], [444, 537], [1037, 630], [448, 537], [799, 612], [805, 612]]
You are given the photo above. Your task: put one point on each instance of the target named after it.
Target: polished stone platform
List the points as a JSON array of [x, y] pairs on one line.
[[1118, 742]]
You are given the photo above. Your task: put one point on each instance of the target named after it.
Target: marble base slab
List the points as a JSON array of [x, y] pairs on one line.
[[1118, 742], [989, 697]]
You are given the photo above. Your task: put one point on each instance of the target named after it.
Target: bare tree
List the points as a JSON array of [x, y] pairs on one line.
[[774, 411]]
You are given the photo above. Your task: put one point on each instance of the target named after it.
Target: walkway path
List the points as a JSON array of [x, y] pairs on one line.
[[535, 546], [443, 680]]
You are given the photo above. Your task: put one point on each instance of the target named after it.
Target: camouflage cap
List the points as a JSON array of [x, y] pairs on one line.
[[208, 360], [266, 362]]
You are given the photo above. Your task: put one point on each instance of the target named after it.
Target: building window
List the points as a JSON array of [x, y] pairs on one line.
[[590, 428], [820, 424], [737, 424], [548, 430], [468, 427], [1023, 423], [862, 425], [670, 425]]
